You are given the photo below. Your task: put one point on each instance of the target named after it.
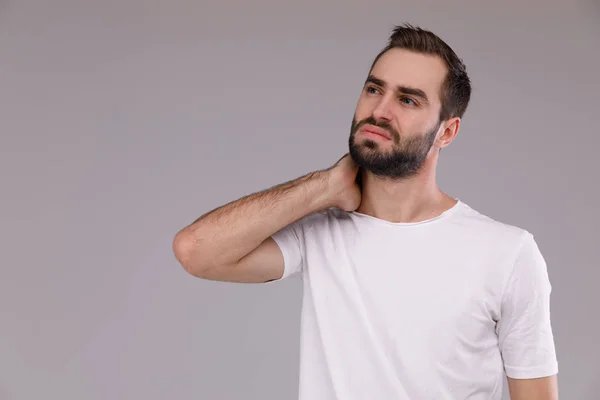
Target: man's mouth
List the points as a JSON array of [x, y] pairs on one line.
[[375, 131]]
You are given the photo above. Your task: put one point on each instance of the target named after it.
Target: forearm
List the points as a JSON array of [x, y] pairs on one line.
[[228, 233]]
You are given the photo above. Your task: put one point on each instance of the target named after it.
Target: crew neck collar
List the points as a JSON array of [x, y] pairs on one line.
[[439, 217]]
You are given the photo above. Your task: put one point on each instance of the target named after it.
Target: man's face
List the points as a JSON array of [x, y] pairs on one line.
[[396, 121]]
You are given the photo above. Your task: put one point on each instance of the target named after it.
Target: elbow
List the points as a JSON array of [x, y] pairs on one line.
[[185, 251]]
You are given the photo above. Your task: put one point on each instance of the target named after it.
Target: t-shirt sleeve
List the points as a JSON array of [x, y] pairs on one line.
[[524, 328], [290, 240]]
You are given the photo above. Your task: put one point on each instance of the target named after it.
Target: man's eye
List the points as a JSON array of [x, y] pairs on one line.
[[408, 100], [372, 90]]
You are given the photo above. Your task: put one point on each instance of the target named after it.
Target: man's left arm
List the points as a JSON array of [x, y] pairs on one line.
[[524, 328], [545, 388]]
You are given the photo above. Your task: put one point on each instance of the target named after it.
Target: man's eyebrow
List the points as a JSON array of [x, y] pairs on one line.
[[400, 88]]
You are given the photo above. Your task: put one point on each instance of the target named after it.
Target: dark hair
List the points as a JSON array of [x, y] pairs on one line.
[[456, 88]]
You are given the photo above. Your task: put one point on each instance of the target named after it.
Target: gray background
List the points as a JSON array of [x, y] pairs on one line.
[[124, 120]]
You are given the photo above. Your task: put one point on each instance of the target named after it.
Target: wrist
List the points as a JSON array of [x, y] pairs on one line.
[[321, 194]]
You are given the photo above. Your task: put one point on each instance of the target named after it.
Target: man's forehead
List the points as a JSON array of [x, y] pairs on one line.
[[399, 67]]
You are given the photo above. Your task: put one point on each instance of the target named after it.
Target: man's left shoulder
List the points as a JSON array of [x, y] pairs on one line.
[[492, 231]]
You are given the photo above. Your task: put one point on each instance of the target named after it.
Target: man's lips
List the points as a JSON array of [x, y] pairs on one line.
[[376, 131]]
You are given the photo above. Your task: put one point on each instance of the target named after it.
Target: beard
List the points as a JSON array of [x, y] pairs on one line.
[[407, 156]]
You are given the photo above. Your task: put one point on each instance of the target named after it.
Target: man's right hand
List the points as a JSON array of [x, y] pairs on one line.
[[343, 187]]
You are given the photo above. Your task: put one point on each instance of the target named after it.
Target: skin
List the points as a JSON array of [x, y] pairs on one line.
[[232, 243], [545, 388]]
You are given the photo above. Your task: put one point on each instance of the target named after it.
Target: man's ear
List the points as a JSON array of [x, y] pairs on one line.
[[449, 133]]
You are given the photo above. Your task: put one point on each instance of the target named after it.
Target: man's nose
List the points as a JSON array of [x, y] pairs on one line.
[[383, 110]]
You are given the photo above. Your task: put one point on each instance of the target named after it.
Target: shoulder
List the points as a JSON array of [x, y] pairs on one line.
[[489, 230], [321, 220]]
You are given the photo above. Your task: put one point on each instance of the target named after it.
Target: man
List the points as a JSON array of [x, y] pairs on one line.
[[409, 293]]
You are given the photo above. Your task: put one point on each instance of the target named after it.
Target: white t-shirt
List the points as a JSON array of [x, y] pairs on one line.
[[432, 310]]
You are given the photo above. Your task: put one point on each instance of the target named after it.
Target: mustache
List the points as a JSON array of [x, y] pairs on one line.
[[383, 125]]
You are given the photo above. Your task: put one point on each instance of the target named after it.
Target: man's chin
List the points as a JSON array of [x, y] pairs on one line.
[[363, 153]]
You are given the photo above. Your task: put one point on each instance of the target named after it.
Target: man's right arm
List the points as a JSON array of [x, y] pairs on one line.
[[233, 242]]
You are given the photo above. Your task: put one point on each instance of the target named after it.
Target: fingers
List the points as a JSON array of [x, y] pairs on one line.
[[351, 162], [344, 156]]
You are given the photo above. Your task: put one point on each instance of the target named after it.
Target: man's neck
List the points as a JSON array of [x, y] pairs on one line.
[[407, 200]]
